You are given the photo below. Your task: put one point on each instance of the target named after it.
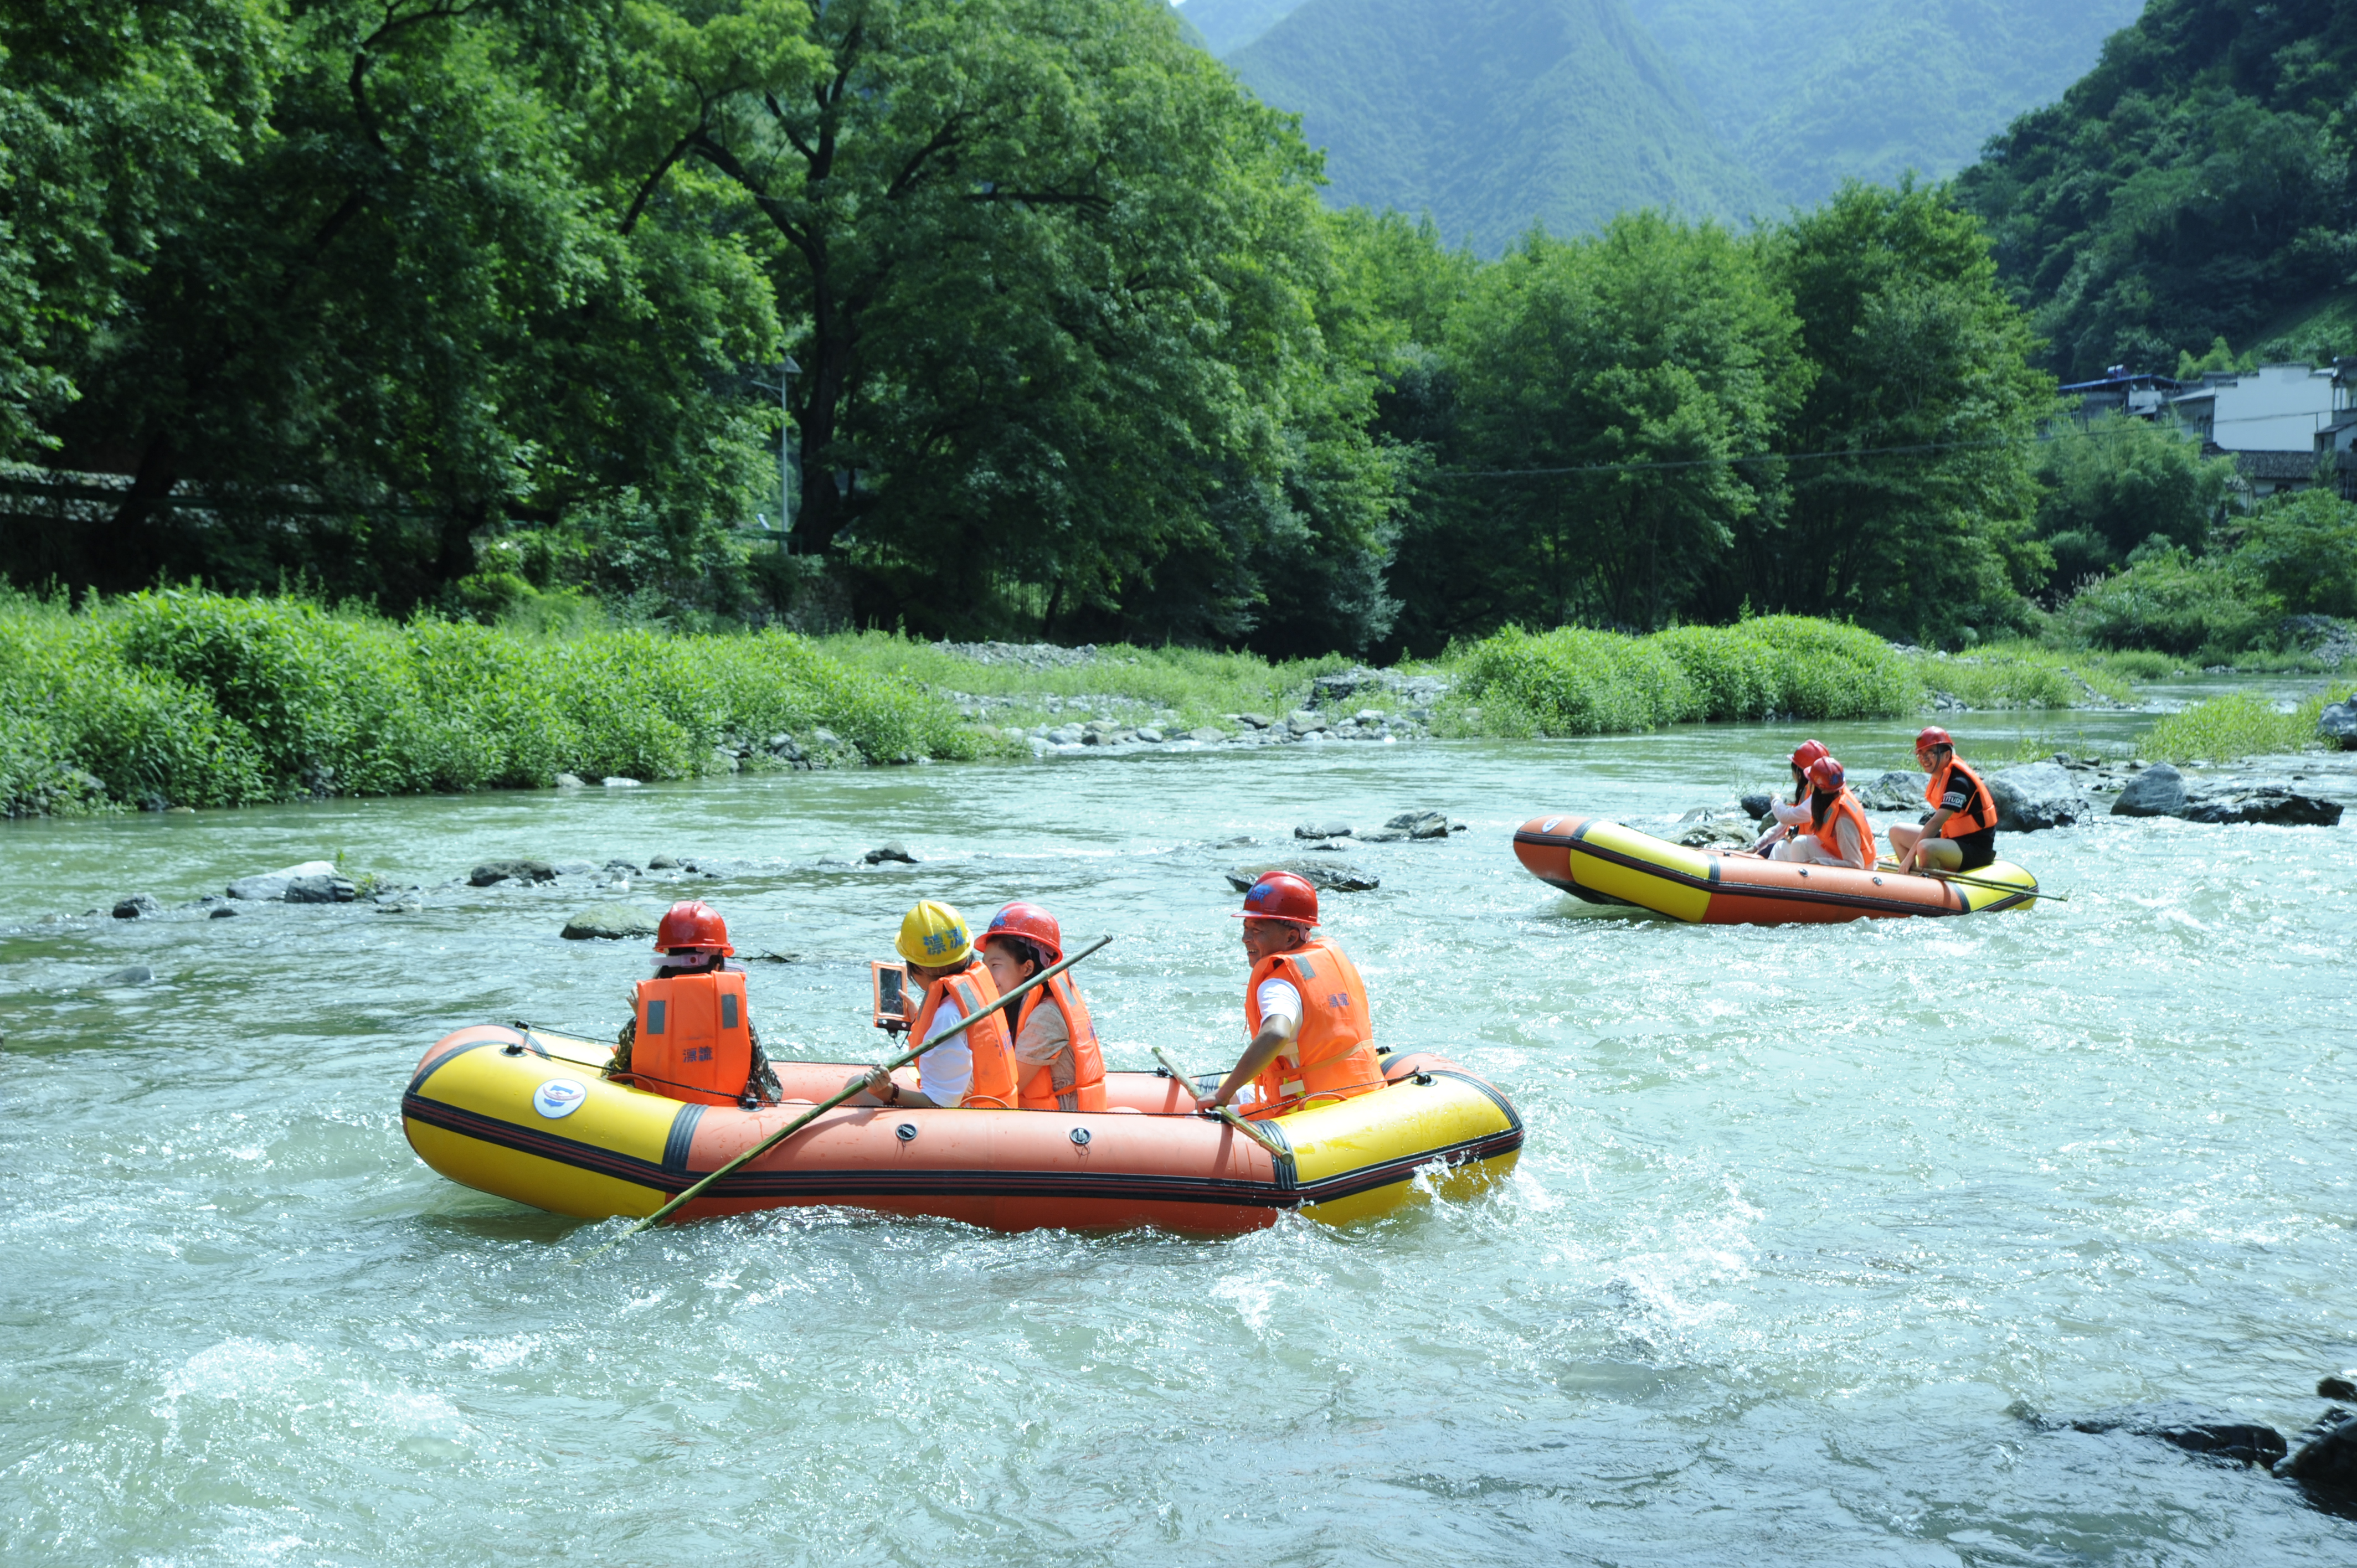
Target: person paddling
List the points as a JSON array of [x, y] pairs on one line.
[[1961, 833], [1838, 833], [1312, 1033], [691, 1033], [976, 1070], [1057, 1062]]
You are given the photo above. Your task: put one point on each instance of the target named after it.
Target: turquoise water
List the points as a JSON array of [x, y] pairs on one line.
[[1807, 1217]]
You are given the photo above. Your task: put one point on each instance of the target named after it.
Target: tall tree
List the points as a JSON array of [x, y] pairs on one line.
[[1605, 390], [1912, 491], [1051, 278]]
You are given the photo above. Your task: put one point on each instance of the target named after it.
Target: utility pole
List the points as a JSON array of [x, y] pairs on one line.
[[783, 387]]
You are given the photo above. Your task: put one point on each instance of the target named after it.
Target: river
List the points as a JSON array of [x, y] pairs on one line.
[[1807, 1219]]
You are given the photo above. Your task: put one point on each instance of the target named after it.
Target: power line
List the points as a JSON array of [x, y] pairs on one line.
[[1655, 465]]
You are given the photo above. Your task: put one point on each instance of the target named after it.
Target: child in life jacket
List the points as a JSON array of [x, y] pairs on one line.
[[691, 1033], [1837, 831], [976, 1068], [1793, 816], [1057, 1062]]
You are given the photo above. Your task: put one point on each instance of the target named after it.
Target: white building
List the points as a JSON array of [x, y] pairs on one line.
[[2278, 421]]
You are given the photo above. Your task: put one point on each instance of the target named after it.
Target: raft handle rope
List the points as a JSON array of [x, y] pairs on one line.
[[832, 1100]]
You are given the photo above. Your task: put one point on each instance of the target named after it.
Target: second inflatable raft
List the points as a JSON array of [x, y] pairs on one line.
[[1605, 863], [529, 1115]]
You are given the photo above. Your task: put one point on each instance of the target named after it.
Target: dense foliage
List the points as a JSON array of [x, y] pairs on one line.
[[2199, 183], [197, 699], [1576, 682]]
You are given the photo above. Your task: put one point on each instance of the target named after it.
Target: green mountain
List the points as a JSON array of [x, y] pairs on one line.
[[1808, 92], [1492, 114], [1227, 25], [2200, 182]]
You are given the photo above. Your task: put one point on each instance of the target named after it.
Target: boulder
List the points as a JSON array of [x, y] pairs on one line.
[[270, 886], [1326, 876], [2194, 1431], [662, 863], [2337, 1387], [221, 912], [492, 871], [1304, 721], [1207, 734], [570, 781], [1150, 736], [610, 922], [2034, 797], [1717, 835], [895, 851], [2275, 804], [137, 907], [2326, 1465], [616, 782], [1322, 831], [1254, 721], [1756, 805], [2338, 725], [1421, 824], [329, 890], [1894, 792], [2157, 792], [135, 975]]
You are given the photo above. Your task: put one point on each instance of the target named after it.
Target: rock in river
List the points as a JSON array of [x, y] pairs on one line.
[[327, 889], [1894, 792], [2326, 1465], [896, 851], [612, 922], [270, 886], [2036, 796], [136, 974], [2157, 792], [1326, 876], [2194, 1431], [2272, 803], [1322, 831], [2338, 724], [1421, 824], [139, 905], [492, 871]]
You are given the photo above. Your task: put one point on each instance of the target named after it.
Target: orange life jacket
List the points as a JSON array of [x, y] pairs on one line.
[[1333, 1056], [1828, 832], [993, 1085], [694, 1039], [1980, 806], [1038, 1090]]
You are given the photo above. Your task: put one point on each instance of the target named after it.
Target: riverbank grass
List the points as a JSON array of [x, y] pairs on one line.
[[2239, 725], [185, 697]]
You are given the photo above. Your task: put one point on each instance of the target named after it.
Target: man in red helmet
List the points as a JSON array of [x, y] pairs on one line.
[[1961, 833], [1313, 1036], [691, 1033], [1057, 1061]]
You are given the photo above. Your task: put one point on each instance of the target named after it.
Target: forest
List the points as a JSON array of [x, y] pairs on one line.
[[476, 308]]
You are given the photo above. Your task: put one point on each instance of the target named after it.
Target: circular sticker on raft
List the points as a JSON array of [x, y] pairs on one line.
[[558, 1096]]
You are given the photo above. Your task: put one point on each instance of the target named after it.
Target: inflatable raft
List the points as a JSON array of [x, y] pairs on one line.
[[1605, 863], [530, 1116]]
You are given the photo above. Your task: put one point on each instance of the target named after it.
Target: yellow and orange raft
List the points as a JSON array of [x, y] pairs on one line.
[[1605, 863], [531, 1116]]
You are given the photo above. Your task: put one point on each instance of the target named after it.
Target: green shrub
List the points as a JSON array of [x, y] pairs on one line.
[[2166, 601], [2303, 549], [204, 699], [2240, 724], [1576, 682]]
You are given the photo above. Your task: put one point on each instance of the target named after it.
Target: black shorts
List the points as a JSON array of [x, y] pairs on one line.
[[1980, 849]]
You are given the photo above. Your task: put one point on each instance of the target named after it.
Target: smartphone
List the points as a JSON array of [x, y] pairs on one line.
[[891, 983]]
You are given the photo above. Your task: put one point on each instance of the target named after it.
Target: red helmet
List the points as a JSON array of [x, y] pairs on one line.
[[1934, 735], [1806, 753], [1825, 774], [1033, 924], [695, 925], [1281, 896]]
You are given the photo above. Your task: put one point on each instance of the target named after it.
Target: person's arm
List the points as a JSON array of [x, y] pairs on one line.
[[1280, 1023]]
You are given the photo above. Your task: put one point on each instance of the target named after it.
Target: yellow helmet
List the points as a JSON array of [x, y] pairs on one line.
[[934, 935]]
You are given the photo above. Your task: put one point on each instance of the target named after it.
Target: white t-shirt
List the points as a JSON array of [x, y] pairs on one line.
[[946, 1072], [1279, 999]]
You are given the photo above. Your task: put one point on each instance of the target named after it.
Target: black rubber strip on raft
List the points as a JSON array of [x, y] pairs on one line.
[[571, 1151], [1577, 844], [682, 1137]]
